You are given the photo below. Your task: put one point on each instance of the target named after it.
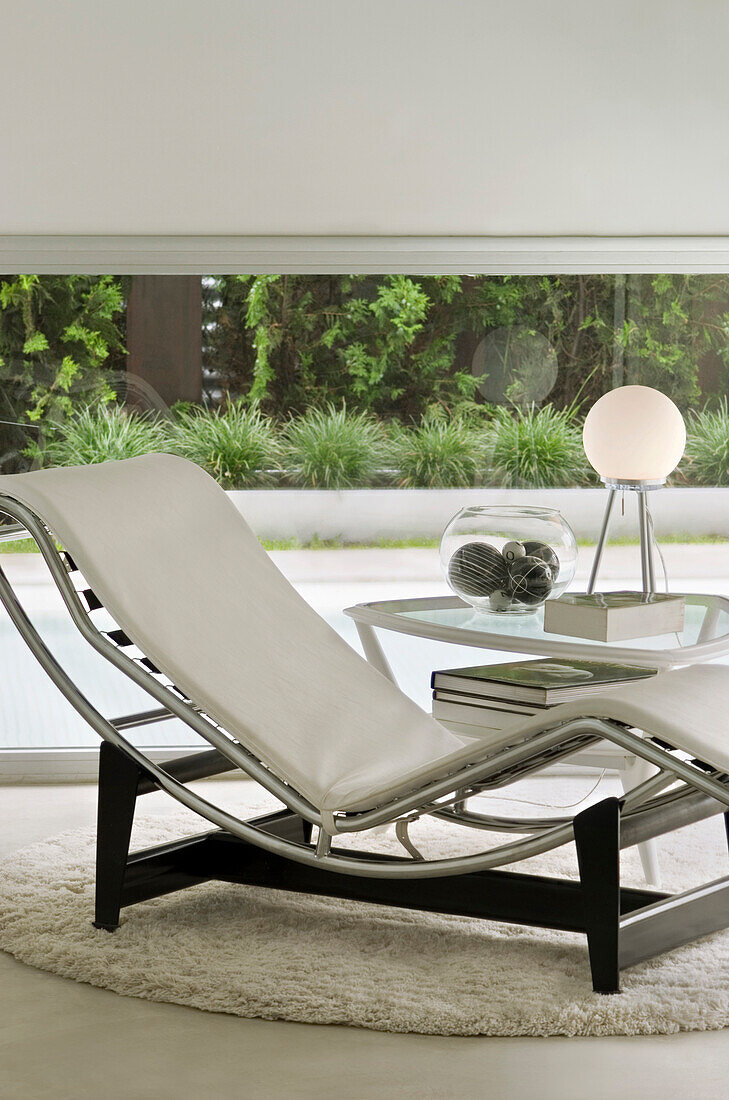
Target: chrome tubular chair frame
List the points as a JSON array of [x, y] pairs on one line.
[[622, 925]]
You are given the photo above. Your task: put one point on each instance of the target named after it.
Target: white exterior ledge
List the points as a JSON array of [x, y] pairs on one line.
[[367, 515]]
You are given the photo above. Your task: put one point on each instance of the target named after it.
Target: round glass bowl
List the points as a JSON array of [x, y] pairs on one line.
[[508, 559]]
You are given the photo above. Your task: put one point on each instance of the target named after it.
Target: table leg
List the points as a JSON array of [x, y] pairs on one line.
[[373, 651], [632, 775], [710, 625]]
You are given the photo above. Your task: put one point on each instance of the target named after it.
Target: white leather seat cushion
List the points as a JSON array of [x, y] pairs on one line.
[[182, 573]]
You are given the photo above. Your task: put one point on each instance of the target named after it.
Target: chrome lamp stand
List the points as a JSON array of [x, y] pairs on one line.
[[646, 547]]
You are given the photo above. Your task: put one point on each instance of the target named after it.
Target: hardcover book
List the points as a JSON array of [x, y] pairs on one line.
[[469, 700], [546, 681], [483, 717]]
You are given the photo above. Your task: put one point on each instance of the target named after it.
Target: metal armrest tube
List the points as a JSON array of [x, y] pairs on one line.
[[473, 820]]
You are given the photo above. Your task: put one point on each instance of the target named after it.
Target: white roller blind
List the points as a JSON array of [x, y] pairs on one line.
[[368, 117]]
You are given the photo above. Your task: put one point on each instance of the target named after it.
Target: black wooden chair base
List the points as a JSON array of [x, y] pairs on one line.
[[593, 905], [597, 839]]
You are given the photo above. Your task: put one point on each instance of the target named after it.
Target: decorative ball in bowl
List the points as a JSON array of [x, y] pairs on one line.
[[508, 559]]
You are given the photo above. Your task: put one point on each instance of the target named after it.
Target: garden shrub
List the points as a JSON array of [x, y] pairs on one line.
[[393, 345], [706, 460], [333, 448], [537, 449], [236, 443], [388, 344], [101, 433], [438, 453]]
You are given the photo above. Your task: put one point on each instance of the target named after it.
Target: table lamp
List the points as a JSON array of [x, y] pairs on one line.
[[634, 438]]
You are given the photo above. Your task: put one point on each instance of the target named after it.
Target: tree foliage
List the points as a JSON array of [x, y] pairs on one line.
[[397, 345], [59, 335], [388, 344], [653, 330]]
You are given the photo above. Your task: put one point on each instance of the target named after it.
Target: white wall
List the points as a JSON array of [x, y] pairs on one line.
[[364, 116]]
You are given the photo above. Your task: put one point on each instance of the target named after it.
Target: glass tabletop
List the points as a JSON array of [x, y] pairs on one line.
[[705, 633]]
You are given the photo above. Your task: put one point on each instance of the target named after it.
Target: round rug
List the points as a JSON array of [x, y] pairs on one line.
[[265, 953]]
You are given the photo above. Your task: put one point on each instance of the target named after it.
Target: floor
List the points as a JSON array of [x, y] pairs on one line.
[[64, 1041]]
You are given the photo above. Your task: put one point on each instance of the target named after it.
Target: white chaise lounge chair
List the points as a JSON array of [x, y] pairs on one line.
[[206, 624]]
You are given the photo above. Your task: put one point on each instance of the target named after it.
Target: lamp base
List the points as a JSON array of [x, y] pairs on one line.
[[632, 486], [646, 548]]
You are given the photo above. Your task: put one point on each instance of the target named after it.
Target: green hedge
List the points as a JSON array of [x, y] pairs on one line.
[[337, 448]]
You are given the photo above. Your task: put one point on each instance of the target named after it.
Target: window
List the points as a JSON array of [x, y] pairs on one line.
[[462, 382]]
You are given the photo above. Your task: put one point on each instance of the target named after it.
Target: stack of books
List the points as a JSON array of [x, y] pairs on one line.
[[495, 696]]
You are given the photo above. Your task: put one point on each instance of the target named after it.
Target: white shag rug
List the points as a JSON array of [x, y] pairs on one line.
[[265, 953]]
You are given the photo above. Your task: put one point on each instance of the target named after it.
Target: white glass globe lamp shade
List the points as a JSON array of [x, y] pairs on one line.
[[634, 436]]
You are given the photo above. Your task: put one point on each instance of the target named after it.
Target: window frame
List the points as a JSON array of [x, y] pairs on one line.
[[327, 255]]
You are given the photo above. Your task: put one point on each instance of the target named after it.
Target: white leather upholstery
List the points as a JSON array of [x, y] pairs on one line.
[[181, 572]]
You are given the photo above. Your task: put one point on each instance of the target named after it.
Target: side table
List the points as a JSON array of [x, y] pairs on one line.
[[705, 637]]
